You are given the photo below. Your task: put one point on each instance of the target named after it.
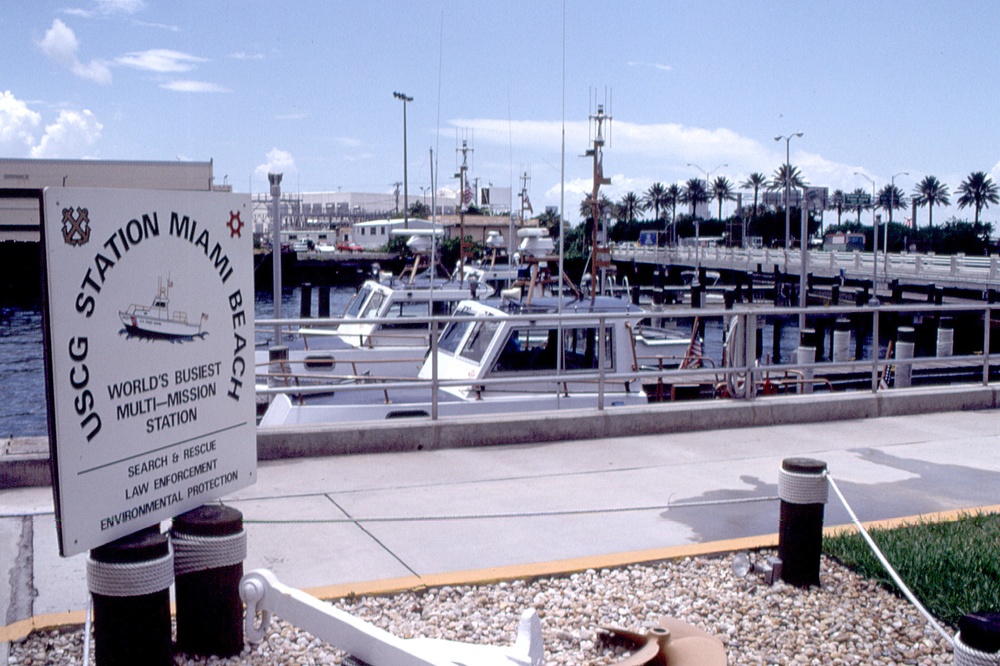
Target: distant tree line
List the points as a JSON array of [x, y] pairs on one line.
[[674, 208]]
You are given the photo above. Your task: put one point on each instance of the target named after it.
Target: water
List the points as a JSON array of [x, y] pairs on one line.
[[22, 371]]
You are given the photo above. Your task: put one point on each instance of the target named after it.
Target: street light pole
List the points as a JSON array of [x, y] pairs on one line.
[[892, 204], [788, 185], [406, 200], [697, 226], [874, 241]]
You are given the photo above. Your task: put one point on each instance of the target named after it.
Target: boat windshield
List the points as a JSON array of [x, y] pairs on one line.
[[479, 340], [454, 333], [354, 307], [373, 306]]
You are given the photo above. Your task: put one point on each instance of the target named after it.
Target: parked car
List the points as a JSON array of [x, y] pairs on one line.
[[348, 247]]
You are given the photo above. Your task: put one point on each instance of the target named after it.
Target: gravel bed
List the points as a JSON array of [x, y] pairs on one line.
[[849, 620]]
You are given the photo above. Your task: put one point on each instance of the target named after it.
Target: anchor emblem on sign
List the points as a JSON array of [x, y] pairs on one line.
[[76, 228]]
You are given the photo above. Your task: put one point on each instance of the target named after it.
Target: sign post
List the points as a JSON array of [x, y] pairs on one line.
[[149, 356]]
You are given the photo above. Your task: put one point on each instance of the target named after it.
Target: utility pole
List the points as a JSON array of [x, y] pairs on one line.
[[406, 198]]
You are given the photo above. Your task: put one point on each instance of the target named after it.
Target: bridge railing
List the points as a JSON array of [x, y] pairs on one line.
[[958, 268]]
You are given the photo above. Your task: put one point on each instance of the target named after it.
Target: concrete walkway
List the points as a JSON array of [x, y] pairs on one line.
[[393, 520]]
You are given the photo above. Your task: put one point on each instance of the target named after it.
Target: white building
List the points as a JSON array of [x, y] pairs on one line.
[[19, 214]]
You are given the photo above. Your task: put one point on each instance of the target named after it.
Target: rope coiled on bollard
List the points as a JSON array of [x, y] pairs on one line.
[[199, 553], [799, 488], [967, 656], [130, 579]]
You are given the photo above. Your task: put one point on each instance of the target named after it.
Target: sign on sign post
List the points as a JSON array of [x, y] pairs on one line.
[[149, 354]]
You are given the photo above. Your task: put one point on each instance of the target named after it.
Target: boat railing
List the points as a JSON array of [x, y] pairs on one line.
[[749, 352]]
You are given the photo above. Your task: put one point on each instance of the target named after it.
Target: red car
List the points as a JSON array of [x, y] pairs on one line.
[[348, 247]]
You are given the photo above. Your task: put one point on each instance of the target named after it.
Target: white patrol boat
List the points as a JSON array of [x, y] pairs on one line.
[[499, 359], [157, 321]]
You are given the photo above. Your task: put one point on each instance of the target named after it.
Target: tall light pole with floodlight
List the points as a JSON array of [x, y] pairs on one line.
[[406, 200], [788, 186], [697, 226], [892, 204], [874, 240]]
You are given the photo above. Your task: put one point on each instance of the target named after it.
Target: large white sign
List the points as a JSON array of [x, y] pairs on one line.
[[149, 349]]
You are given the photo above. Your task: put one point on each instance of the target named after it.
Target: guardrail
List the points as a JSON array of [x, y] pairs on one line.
[[958, 268], [737, 361]]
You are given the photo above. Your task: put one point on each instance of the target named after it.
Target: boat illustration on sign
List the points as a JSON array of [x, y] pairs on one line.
[[157, 321]]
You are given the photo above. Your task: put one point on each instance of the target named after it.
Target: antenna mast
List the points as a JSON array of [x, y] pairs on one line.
[[465, 198], [597, 152]]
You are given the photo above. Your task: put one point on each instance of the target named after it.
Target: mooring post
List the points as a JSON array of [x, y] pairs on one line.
[[803, 490], [945, 336], [905, 342], [277, 358], [129, 580], [323, 307], [841, 339], [806, 353], [978, 640], [209, 548], [306, 301]]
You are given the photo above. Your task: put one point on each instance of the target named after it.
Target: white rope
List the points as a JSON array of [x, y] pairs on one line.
[[130, 579], [802, 488], [888, 567], [199, 553], [966, 656]]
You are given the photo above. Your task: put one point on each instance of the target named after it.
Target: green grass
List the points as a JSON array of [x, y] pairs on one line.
[[952, 567]]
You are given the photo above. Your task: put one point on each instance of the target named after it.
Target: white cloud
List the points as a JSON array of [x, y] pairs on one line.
[[120, 6], [61, 46], [161, 60], [278, 161], [17, 124], [194, 87], [69, 135], [653, 65], [243, 55]]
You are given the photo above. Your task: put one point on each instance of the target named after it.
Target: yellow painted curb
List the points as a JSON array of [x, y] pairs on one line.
[[18, 630]]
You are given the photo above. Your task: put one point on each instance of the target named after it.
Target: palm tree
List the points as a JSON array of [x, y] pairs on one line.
[[673, 196], [891, 198], [755, 181], [722, 190], [859, 196], [930, 192], [795, 179], [694, 194], [655, 198], [629, 206], [978, 190], [837, 203]]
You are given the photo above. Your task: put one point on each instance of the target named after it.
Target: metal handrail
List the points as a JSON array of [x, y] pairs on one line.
[[750, 372]]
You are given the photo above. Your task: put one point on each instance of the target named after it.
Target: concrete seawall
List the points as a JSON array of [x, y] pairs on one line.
[[24, 462]]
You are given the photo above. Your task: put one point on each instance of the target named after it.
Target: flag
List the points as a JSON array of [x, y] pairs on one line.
[[527, 203], [887, 379], [696, 348], [467, 194]]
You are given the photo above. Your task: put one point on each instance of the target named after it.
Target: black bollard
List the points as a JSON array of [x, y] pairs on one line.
[[980, 632], [323, 307], [306, 301], [129, 580], [802, 487], [209, 548]]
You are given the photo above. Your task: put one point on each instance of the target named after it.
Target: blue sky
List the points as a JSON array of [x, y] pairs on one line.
[[305, 88]]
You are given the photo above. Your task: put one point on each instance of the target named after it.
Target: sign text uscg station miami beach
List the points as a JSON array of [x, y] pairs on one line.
[[149, 352]]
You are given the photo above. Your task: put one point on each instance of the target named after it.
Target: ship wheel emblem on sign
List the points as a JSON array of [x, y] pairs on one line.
[[76, 229], [235, 224]]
